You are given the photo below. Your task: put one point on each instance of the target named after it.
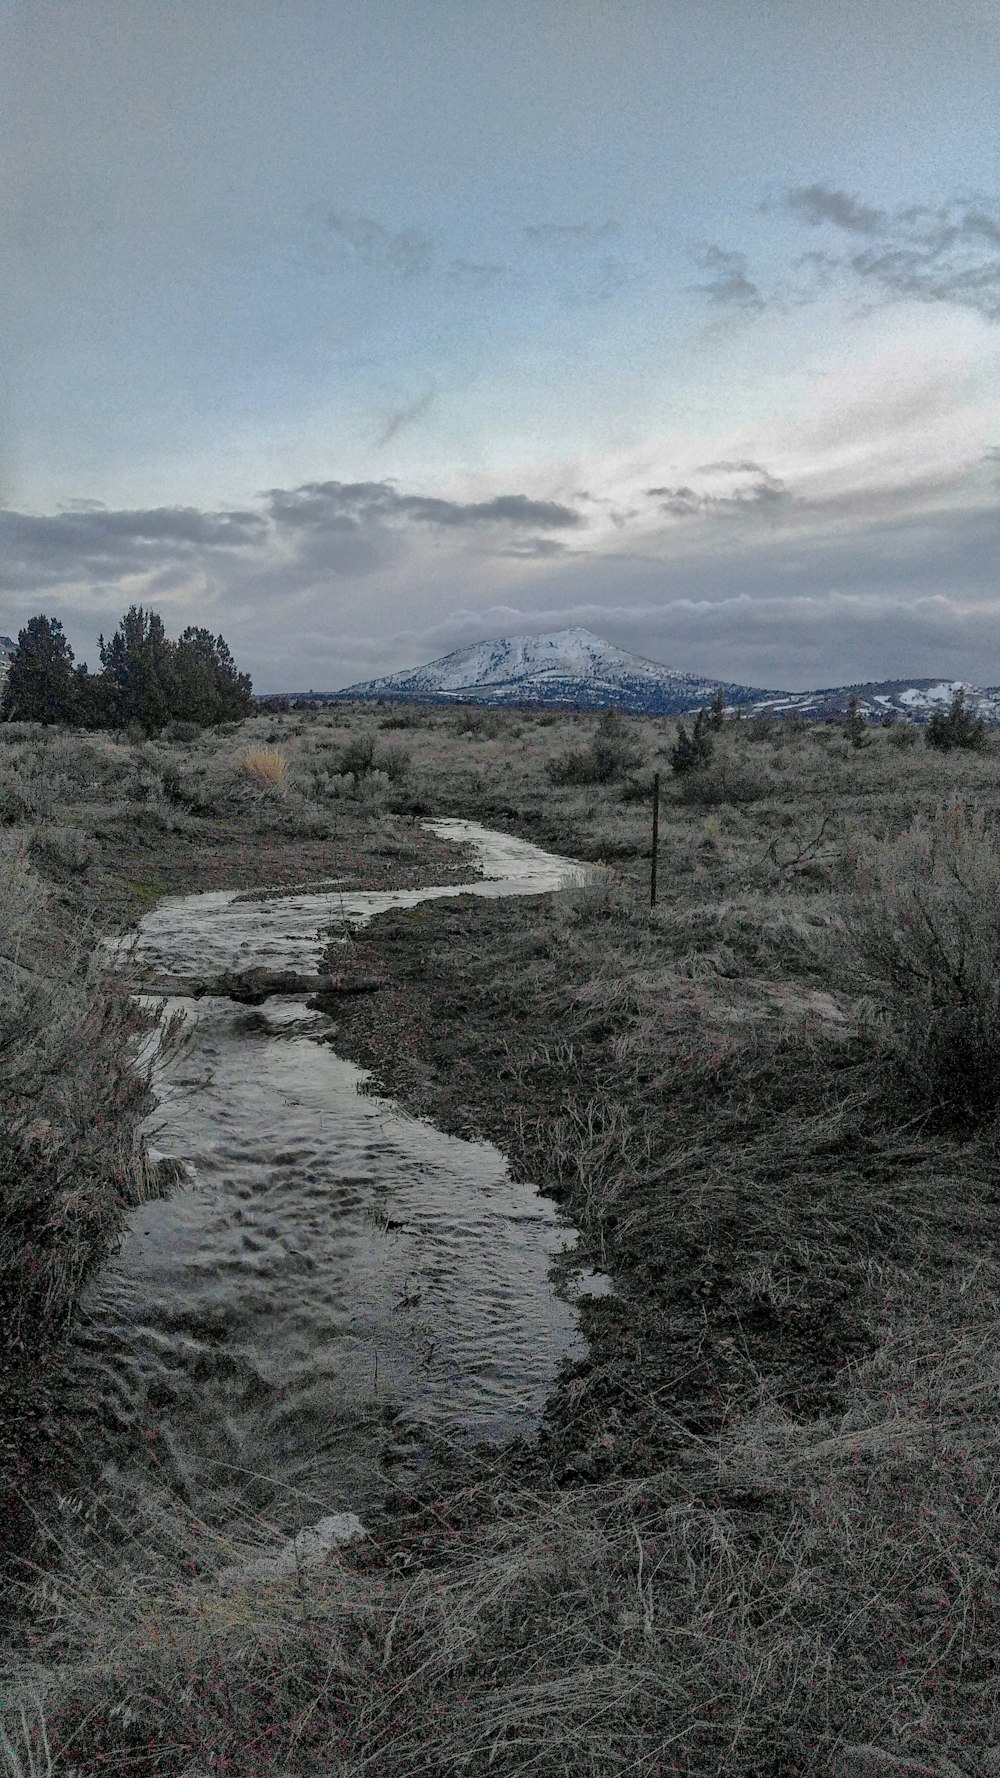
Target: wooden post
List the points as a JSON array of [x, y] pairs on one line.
[[656, 839]]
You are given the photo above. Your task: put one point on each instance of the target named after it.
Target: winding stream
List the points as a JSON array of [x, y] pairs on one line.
[[334, 1273]]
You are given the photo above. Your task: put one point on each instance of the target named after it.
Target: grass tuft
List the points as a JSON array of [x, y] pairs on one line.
[[266, 767]]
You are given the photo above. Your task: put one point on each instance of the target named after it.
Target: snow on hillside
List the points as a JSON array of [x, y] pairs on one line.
[[559, 667], [573, 667]]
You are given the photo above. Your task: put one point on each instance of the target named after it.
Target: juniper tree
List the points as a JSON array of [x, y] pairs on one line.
[[207, 687], [957, 729], [39, 683], [693, 752], [139, 664]]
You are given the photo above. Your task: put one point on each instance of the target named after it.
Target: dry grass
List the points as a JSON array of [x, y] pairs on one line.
[[771, 1107], [266, 766]]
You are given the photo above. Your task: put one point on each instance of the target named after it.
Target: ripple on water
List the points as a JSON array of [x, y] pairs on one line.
[[331, 1255]]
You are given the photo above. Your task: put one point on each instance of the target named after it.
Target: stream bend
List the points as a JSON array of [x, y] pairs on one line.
[[334, 1273]]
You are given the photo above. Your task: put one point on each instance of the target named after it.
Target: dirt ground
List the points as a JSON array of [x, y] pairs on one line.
[[454, 996]]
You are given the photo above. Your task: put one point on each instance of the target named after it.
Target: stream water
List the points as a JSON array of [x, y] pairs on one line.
[[334, 1273]]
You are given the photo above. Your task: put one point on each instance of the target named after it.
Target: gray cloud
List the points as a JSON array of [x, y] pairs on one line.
[[765, 492], [347, 528], [536, 547], [818, 203], [347, 504], [405, 416], [948, 253], [89, 540], [728, 285], [405, 251], [741, 465]]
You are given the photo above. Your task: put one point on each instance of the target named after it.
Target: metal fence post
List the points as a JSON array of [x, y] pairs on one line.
[[656, 839]]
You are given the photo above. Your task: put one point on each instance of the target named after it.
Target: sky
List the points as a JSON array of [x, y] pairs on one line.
[[360, 332]]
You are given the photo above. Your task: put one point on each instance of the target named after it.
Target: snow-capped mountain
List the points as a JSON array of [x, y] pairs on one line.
[[575, 668], [562, 667], [7, 648]]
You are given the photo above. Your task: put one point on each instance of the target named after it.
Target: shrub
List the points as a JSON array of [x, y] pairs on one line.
[[358, 756], [182, 731], [611, 753], [15, 807], [763, 728], [637, 790], [902, 734], [68, 850], [723, 780], [394, 762], [485, 725], [373, 788], [416, 718], [71, 1157], [185, 789], [924, 922]]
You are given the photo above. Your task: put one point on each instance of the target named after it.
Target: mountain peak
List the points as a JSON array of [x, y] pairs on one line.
[[574, 668], [565, 667]]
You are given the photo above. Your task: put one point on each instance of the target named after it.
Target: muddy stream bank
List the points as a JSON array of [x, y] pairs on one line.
[[331, 1276]]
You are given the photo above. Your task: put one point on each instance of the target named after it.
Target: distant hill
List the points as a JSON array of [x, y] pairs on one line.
[[573, 668], [563, 667]]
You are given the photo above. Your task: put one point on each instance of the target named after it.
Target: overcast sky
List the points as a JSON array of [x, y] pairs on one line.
[[359, 332]]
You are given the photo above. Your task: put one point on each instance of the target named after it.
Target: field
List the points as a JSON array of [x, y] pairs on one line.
[[758, 1533]]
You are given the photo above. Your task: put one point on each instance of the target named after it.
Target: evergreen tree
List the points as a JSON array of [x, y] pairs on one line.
[[39, 683], [93, 703], [857, 727], [197, 696], [693, 752], [139, 664], [208, 687], [957, 729]]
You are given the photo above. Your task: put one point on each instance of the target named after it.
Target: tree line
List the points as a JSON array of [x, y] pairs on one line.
[[145, 679]]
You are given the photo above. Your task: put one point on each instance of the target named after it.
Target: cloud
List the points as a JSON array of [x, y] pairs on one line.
[[348, 504], [949, 253], [88, 540], [405, 416], [405, 251], [536, 547], [818, 203], [728, 286], [764, 492]]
